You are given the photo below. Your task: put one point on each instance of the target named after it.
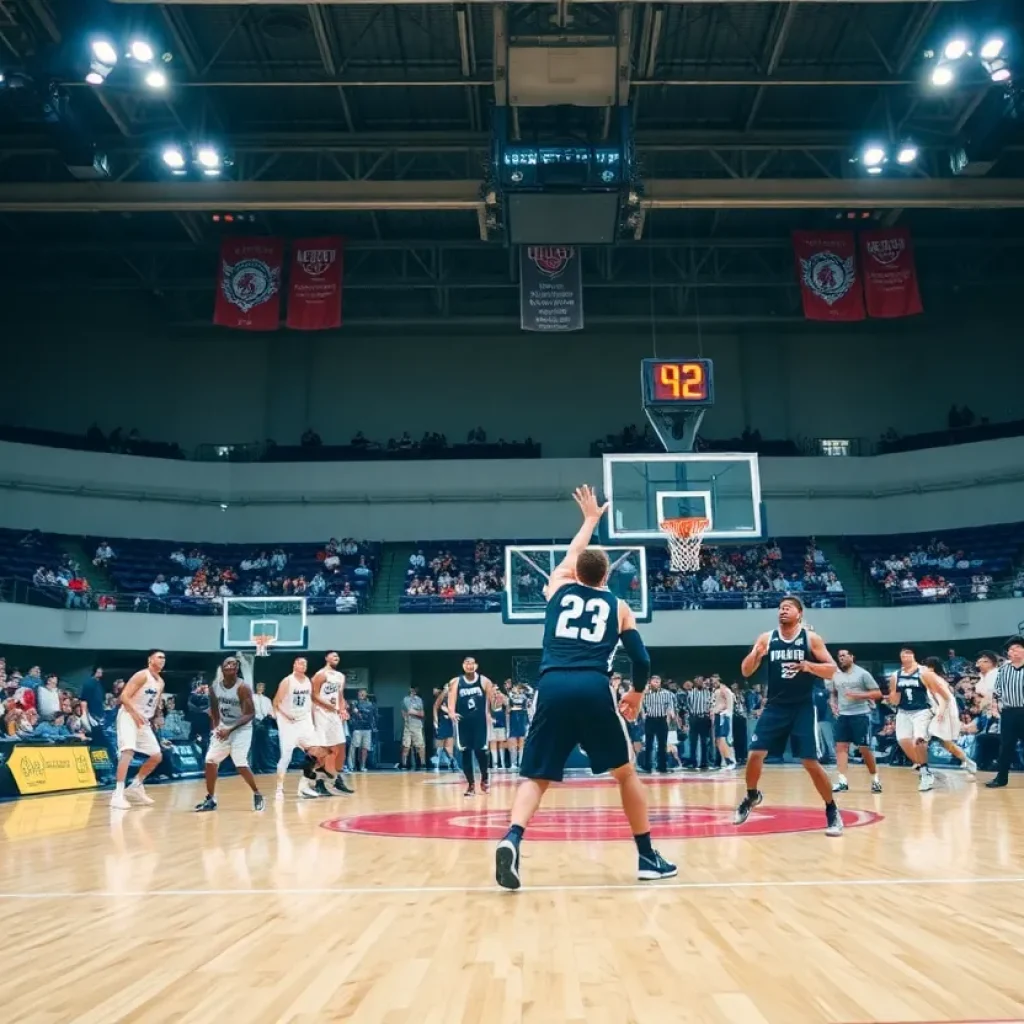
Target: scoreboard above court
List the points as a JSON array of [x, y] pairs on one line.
[[677, 383]]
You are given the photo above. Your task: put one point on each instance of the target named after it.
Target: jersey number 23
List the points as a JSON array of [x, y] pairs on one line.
[[583, 620]]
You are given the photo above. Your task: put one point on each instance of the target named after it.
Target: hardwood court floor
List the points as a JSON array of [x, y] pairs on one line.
[[159, 915]]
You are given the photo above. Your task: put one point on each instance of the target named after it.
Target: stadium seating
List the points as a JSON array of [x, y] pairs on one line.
[[971, 564]]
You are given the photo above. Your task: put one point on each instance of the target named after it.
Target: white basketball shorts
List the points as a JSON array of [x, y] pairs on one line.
[[130, 736], [947, 725], [236, 745], [330, 729], [913, 725], [300, 734]]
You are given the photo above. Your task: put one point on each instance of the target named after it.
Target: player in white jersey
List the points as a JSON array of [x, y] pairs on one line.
[[231, 714], [293, 706], [945, 725], [329, 717], [139, 701]]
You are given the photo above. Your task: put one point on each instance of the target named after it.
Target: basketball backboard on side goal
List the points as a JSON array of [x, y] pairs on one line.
[[283, 619], [645, 490], [529, 566]]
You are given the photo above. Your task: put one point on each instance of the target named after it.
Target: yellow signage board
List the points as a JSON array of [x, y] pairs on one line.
[[46, 769]]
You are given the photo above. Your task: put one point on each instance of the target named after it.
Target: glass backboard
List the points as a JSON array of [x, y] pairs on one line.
[[283, 618], [528, 568], [644, 490]]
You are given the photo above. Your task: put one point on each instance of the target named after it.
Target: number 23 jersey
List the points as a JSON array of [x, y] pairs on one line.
[[581, 629]]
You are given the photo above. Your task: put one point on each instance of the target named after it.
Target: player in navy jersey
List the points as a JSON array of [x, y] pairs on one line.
[[469, 698], [444, 731], [796, 656], [576, 704]]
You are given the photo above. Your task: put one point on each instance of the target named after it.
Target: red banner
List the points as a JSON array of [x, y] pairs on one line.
[[890, 276], [249, 284], [314, 287], [826, 266]]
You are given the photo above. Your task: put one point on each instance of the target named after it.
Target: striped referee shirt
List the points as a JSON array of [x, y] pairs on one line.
[[1009, 686], [700, 702], [659, 703]]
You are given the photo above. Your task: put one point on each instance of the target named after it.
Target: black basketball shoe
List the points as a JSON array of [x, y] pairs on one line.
[[650, 869], [506, 864], [340, 787], [747, 804], [209, 804]]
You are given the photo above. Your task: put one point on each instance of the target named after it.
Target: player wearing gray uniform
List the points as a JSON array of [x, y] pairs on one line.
[[231, 714], [851, 691]]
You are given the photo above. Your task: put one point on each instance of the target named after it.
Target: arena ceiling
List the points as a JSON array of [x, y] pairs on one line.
[[371, 119]]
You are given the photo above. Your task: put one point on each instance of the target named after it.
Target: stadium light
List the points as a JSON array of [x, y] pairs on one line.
[[873, 155], [992, 48], [174, 158], [156, 79], [955, 49], [208, 157], [907, 154], [95, 78], [211, 172], [103, 50], [875, 170], [942, 76], [141, 51], [998, 70]]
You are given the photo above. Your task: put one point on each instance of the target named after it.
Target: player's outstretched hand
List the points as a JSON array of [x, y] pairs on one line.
[[587, 501], [629, 705]]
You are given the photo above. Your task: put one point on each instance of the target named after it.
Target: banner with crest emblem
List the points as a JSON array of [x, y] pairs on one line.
[[314, 284], [826, 266], [550, 288], [890, 274], [249, 284]]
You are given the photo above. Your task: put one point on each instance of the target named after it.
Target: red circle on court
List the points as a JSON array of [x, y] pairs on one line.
[[590, 824]]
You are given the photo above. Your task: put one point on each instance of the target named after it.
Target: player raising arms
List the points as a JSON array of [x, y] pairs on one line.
[[583, 627], [231, 714], [329, 716], [139, 701], [796, 656]]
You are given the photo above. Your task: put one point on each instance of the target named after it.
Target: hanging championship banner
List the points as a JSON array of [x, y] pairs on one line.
[[550, 288], [826, 266], [314, 284], [249, 284], [890, 275]]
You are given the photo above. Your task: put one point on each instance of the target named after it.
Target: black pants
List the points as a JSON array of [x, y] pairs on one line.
[[739, 737], [1011, 729], [656, 729], [467, 764], [700, 740]]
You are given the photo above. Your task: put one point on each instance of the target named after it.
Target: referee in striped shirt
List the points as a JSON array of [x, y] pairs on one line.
[[659, 708], [699, 701], [1008, 693]]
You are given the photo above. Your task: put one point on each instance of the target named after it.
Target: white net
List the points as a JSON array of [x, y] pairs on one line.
[[263, 645], [684, 537]]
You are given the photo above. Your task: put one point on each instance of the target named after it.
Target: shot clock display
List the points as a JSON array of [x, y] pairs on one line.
[[678, 382]]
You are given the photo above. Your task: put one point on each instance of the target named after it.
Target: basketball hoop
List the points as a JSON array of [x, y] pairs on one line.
[[263, 645], [684, 538]]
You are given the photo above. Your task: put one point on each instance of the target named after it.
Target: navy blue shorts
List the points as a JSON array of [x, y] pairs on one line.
[[723, 727], [518, 721], [575, 708], [852, 729], [780, 723], [445, 731], [471, 733]]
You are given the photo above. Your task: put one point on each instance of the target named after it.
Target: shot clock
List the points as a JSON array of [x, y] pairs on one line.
[[676, 392]]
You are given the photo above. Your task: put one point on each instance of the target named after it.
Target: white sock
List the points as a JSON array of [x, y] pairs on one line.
[[841, 777], [119, 789], [874, 778]]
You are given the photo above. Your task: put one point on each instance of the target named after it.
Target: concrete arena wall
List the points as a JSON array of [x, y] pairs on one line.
[[221, 387], [104, 631], [123, 496]]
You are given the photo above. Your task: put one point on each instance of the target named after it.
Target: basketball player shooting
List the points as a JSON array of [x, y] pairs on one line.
[[796, 657], [583, 626]]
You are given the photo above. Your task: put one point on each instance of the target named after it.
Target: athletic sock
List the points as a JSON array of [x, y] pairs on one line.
[[841, 777], [751, 794], [830, 806], [874, 778], [515, 833], [643, 844], [119, 789]]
